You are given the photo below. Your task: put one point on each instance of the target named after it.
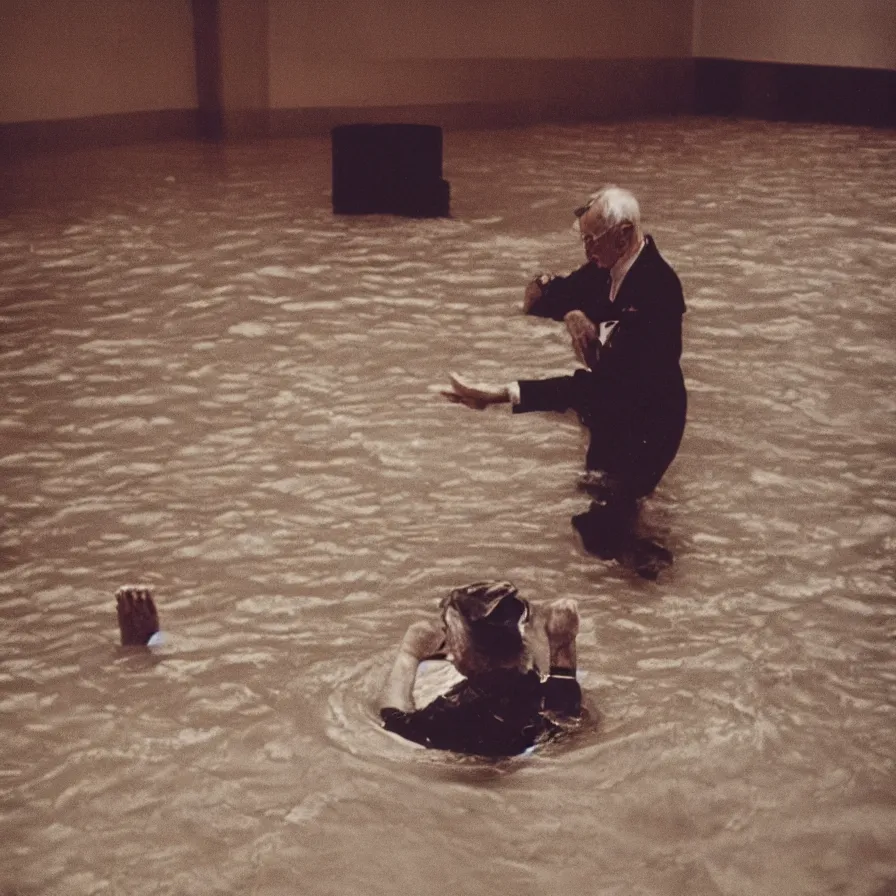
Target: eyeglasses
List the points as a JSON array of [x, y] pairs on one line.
[[592, 238]]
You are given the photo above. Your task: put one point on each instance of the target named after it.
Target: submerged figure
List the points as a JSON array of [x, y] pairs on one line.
[[623, 311], [504, 705]]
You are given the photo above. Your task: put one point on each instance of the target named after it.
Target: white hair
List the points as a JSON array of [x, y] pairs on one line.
[[616, 206]]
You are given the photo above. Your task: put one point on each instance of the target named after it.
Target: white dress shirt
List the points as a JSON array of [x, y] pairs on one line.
[[621, 268]]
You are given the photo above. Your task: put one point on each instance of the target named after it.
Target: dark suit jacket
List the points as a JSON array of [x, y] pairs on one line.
[[633, 400], [497, 713]]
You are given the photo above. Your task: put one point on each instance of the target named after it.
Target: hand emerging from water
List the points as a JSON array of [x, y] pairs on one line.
[[562, 627], [476, 396], [562, 692], [551, 633], [138, 619], [562, 623]]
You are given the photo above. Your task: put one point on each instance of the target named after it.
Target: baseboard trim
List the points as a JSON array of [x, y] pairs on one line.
[[28, 137], [555, 91], [776, 91]]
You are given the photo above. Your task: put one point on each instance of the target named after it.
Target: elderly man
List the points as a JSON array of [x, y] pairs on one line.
[[494, 638], [623, 310]]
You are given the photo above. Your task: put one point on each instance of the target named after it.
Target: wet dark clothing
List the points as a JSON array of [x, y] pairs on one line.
[[633, 401], [498, 713]]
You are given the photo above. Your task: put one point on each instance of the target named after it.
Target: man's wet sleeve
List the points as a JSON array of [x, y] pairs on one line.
[[556, 393], [408, 724], [560, 295], [562, 694], [443, 724]]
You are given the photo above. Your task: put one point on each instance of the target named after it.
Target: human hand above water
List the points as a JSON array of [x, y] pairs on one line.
[[476, 396], [562, 624], [138, 619]]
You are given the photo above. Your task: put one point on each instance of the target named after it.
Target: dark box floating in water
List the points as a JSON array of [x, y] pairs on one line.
[[393, 169]]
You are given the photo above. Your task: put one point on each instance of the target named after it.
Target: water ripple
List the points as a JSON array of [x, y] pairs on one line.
[[214, 385]]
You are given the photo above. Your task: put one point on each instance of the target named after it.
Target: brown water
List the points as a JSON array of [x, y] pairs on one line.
[[212, 385]]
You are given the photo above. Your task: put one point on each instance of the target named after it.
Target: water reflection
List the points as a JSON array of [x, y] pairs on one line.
[[214, 386]]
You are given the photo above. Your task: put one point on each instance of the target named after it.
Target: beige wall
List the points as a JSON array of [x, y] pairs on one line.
[[244, 53], [77, 58], [388, 52], [66, 59], [857, 33], [244, 36]]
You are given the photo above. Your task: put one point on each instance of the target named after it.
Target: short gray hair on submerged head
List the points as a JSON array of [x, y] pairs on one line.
[[497, 603], [493, 614], [615, 205]]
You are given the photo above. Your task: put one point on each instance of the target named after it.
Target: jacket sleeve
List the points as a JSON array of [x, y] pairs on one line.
[[422, 726], [560, 295], [443, 724], [556, 393], [563, 695]]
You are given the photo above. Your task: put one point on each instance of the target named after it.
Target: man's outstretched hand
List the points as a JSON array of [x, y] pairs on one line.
[[476, 396], [138, 619]]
